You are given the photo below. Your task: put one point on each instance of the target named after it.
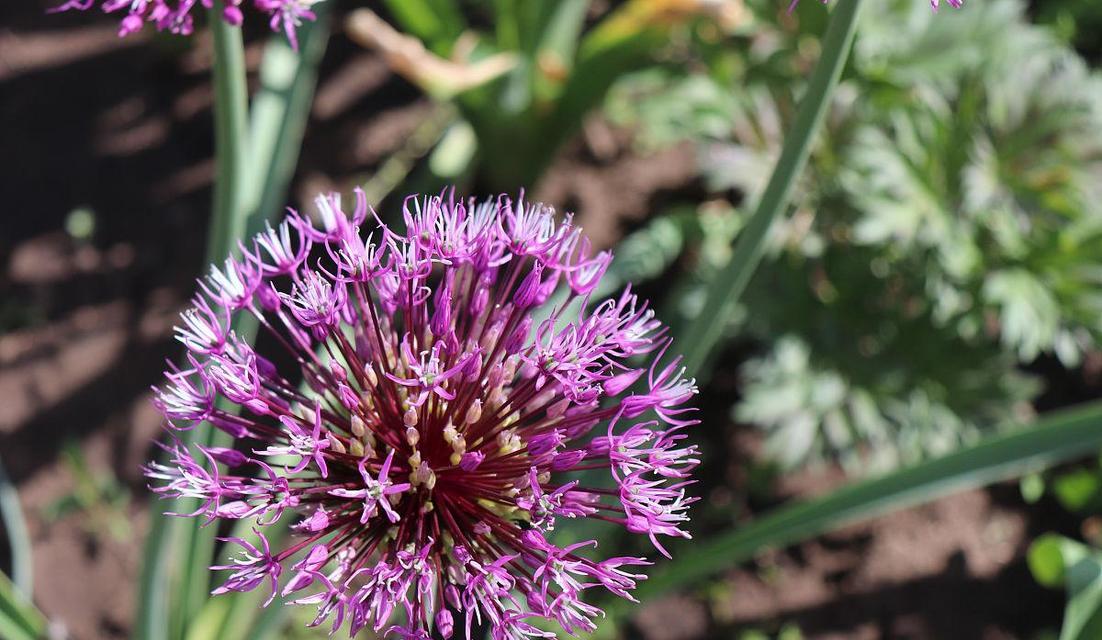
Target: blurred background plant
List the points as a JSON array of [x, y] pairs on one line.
[[526, 73], [1072, 564], [99, 500], [948, 225], [19, 618]]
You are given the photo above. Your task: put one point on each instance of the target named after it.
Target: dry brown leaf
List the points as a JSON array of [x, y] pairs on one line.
[[406, 55]]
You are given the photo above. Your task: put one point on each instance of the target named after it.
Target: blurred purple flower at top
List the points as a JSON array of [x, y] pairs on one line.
[[176, 16], [449, 404]]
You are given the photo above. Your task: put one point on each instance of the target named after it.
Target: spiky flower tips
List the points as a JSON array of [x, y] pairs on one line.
[[175, 16], [455, 379]]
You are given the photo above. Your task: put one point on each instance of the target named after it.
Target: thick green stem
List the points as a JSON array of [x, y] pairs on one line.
[[232, 205], [279, 114], [255, 155], [231, 144], [227, 224], [707, 328]]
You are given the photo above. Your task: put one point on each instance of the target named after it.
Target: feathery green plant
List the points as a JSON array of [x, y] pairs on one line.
[[945, 233]]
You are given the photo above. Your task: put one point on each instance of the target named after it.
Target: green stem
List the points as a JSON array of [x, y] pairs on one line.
[[231, 127], [11, 513], [227, 224], [232, 203], [281, 109], [707, 328], [19, 619]]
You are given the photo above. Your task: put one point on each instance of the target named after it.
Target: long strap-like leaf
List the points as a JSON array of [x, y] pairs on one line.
[[707, 328], [19, 619], [11, 514], [1056, 438]]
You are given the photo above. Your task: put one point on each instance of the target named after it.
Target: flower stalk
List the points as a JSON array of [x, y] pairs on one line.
[[229, 220], [707, 328], [231, 132]]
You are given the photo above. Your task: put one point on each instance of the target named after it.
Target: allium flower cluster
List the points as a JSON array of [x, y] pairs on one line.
[[455, 378], [175, 16]]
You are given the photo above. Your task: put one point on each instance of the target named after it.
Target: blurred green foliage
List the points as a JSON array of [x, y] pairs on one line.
[[19, 618], [100, 499], [1060, 562], [1076, 21], [564, 56], [948, 230]]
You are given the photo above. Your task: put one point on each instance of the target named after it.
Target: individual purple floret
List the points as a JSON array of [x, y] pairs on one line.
[[448, 382], [176, 16]]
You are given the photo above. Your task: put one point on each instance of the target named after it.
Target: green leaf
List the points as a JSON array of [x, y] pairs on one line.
[[280, 110], [707, 329], [1029, 315], [455, 151], [1055, 561], [1057, 437], [1032, 487], [562, 28], [1077, 490], [19, 619], [1046, 560], [230, 221], [11, 513], [1083, 615], [208, 623], [436, 22]]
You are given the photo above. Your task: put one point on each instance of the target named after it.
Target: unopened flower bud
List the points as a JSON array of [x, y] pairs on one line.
[[444, 623], [335, 444], [471, 460], [556, 410], [474, 412], [232, 15], [529, 288]]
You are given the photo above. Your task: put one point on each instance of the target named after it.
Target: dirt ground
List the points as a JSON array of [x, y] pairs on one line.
[[121, 129]]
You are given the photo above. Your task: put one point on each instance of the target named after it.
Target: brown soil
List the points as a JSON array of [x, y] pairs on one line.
[[122, 128]]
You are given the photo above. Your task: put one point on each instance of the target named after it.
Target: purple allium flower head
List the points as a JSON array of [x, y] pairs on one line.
[[175, 15], [443, 416]]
